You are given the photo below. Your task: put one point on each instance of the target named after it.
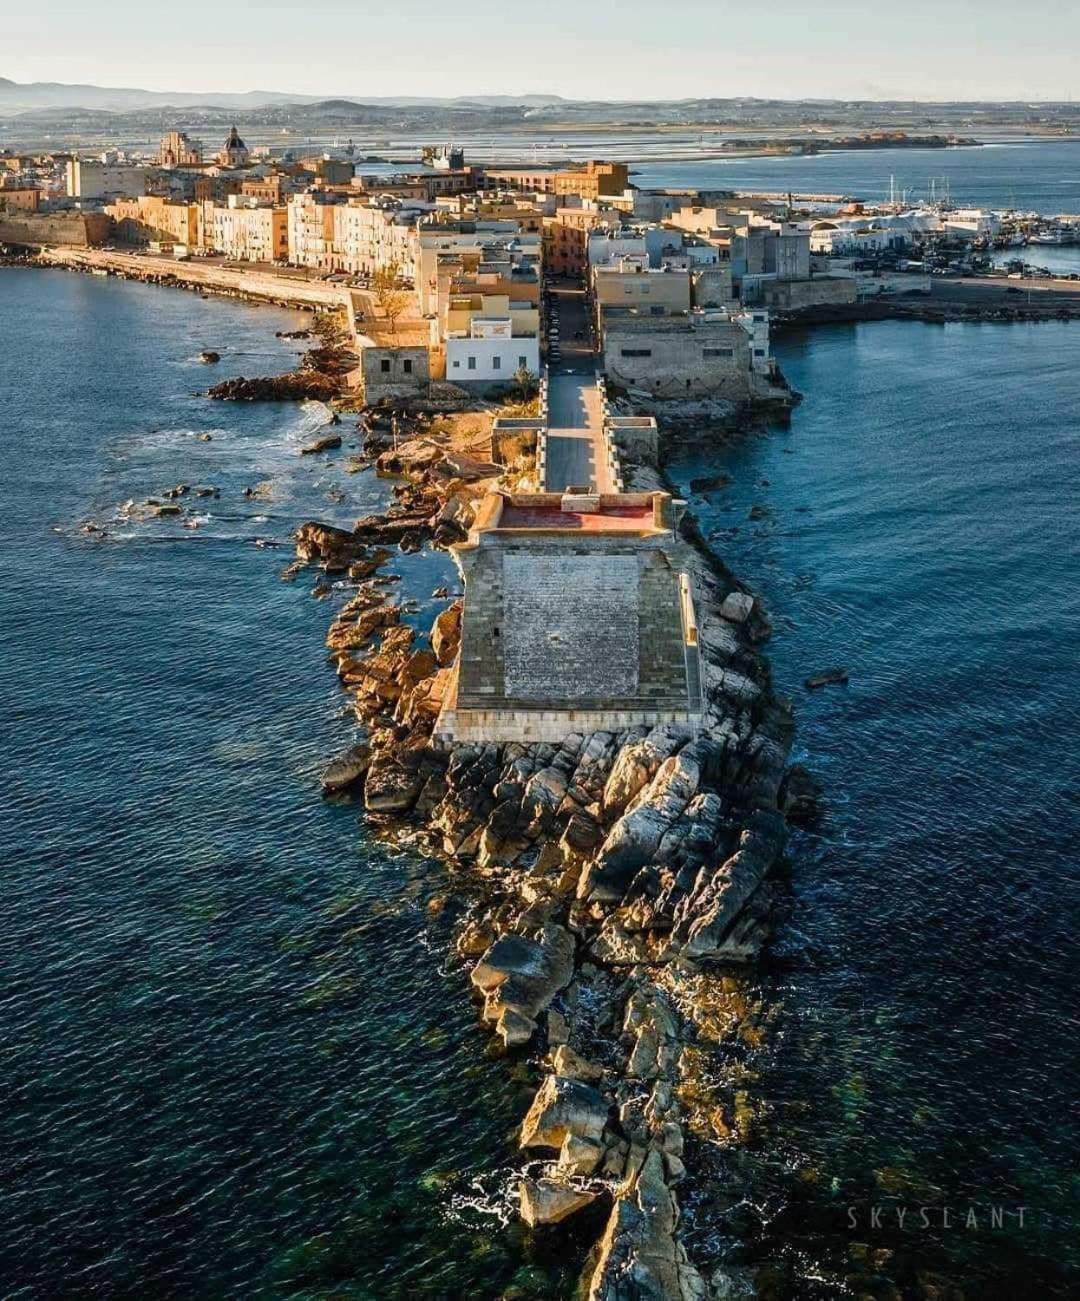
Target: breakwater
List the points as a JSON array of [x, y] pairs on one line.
[[619, 880]]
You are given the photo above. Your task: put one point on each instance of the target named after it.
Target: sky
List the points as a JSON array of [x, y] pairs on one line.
[[583, 49]]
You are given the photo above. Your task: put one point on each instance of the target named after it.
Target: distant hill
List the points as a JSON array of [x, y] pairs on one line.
[[16, 97]]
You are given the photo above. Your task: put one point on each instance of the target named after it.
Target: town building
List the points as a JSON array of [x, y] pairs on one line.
[[179, 150], [155, 219], [234, 153], [19, 198], [310, 227], [246, 231], [379, 234], [695, 355], [91, 179]]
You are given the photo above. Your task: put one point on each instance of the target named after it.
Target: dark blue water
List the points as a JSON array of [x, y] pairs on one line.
[[1038, 177], [923, 534], [233, 1065]]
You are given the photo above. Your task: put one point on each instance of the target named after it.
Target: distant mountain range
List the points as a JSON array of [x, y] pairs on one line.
[[16, 97]]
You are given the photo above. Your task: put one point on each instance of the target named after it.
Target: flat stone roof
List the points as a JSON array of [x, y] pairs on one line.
[[621, 519]]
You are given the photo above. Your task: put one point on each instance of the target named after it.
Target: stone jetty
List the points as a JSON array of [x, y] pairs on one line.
[[621, 865]]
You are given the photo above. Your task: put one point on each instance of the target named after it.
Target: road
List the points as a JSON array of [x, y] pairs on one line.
[[575, 440]]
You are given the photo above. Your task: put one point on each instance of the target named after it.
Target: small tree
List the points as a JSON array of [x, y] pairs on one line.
[[391, 298], [527, 382]]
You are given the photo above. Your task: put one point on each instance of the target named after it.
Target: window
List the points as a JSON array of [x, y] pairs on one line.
[[472, 363], [718, 352], [406, 365], [523, 363], [384, 365], [457, 365], [759, 352], [635, 352], [657, 309], [496, 363]]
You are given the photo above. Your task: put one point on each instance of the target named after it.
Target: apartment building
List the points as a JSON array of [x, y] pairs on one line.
[[372, 236], [152, 218], [310, 227], [496, 243], [246, 232], [89, 179]]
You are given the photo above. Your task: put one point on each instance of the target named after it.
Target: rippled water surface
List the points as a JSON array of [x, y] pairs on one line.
[[922, 533], [233, 1065]]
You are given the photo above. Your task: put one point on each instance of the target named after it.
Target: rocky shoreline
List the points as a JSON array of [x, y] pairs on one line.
[[619, 882]]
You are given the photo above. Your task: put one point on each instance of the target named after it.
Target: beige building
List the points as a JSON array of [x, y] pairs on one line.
[[310, 238], [703, 354], [179, 150], [246, 233], [371, 237], [631, 285], [152, 218]]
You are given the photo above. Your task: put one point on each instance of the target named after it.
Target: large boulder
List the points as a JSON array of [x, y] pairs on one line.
[[524, 974], [547, 1201], [564, 1107], [634, 839], [640, 1258], [347, 769]]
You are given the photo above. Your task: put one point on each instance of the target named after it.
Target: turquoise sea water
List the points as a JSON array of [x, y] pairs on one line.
[[923, 534]]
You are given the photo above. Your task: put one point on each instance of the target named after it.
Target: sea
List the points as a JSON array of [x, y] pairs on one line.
[[1032, 176], [239, 1061]]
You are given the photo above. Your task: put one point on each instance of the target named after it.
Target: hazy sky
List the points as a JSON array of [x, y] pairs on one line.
[[928, 49]]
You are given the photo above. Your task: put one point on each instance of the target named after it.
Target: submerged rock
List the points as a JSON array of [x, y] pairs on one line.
[[325, 444], [828, 677]]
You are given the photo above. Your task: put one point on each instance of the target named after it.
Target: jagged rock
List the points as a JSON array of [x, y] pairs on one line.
[[547, 1201], [515, 1029], [573, 1065], [719, 895], [564, 1107], [799, 796], [446, 634], [293, 387], [633, 840], [390, 787], [639, 1257], [325, 444], [579, 1156], [208, 357], [523, 973], [558, 1031], [736, 607], [347, 770], [636, 765], [334, 548]]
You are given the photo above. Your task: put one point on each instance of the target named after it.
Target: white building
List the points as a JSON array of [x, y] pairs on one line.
[[90, 179], [490, 353]]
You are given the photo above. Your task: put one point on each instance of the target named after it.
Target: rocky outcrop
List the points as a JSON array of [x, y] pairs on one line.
[[619, 875], [293, 387]]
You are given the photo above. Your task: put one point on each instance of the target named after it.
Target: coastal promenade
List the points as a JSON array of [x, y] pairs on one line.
[[252, 280]]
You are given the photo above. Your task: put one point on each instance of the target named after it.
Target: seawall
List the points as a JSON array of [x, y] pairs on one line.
[[239, 282]]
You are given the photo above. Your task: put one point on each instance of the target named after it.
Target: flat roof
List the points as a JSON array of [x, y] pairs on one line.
[[620, 519]]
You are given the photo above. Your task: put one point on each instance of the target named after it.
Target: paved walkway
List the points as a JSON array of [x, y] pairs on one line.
[[575, 441]]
